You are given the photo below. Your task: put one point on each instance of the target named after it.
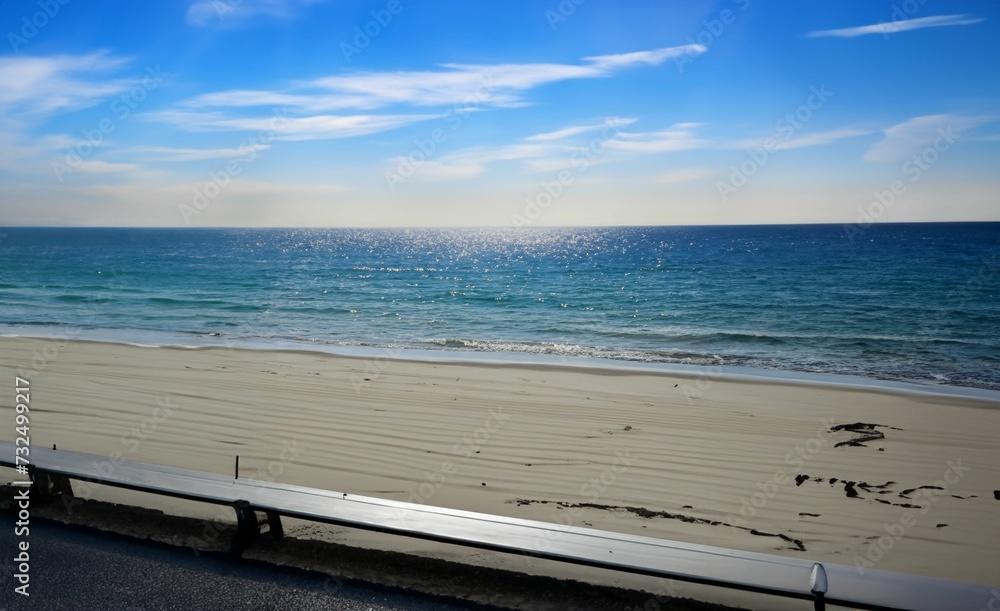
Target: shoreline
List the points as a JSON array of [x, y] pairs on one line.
[[810, 470], [734, 373]]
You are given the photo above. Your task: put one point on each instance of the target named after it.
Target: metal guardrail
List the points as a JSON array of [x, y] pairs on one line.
[[832, 584]]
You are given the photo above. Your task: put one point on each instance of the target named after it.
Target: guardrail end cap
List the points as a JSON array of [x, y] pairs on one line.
[[817, 579]]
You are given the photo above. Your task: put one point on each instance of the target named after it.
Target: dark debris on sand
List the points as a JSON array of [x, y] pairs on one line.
[[642, 512], [866, 432]]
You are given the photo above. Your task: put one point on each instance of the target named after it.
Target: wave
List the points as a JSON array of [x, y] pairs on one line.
[[910, 370], [574, 350], [74, 298]]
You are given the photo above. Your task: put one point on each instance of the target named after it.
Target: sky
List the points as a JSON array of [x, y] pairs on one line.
[[207, 113]]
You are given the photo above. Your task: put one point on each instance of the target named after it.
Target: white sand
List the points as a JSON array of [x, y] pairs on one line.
[[435, 433]]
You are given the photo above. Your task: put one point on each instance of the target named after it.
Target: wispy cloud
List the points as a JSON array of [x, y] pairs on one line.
[[231, 12], [473, 161], [903, 25], [21, 153], [305, 102], [166, 153], [496, 84], [652, 58], [453, 84], [561, 149], [821, 138], [677, 137], [320, 104], [567, 147], [317, 127], [35, 87], [907, 138], [579, 129]]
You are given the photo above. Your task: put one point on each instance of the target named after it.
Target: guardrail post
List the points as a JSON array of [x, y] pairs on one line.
[[818, 586], [247, 527], [45, 485], [274, 524]]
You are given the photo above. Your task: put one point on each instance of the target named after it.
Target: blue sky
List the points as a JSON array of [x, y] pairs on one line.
[[429, 113]]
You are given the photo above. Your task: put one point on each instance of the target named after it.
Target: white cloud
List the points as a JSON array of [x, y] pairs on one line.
[[775, 143], [318, 127], [496, 84], [559, 134], [36, 87], [821, 138], [565, 149], [907, 138], [459, 86], [677, 137], [35, 155], [453, 85], [544, 152], [248, 98], [652, 58], [472, 162], [329, 126], [166, 153], [17, 149], [579, 129], [558, 150], [903, 25]]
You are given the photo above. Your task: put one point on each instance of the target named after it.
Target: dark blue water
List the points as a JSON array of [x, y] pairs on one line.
[[917, 302]]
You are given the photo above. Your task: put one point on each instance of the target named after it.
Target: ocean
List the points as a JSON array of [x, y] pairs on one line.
[[904, 302]]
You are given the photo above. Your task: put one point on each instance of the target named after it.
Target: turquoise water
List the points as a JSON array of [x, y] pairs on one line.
[[917, 302]]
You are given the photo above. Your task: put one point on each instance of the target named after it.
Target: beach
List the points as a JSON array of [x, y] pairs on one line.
[[869, 476]]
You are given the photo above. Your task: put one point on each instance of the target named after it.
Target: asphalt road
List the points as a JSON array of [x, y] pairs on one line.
[[79, 568]]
